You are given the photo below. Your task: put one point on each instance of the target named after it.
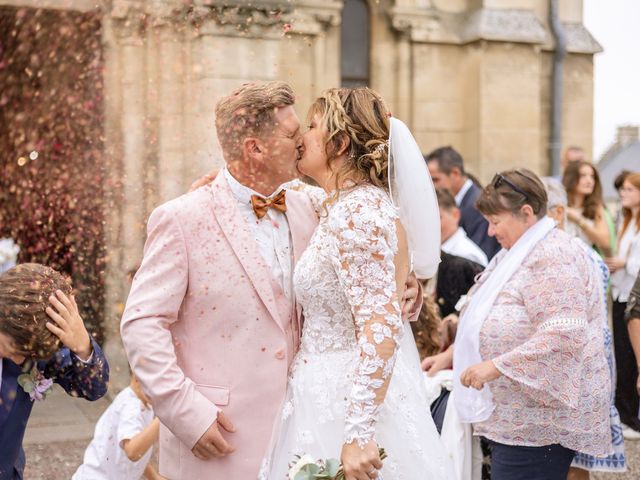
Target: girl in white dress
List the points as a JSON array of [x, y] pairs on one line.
[[356, 383]]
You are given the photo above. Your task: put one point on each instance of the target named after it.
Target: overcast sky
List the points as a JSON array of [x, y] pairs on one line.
[[616, 26]]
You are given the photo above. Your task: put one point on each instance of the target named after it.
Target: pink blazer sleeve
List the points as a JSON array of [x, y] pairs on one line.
[[156, 295]]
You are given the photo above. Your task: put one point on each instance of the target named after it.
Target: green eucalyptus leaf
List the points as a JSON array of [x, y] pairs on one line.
[[307, 472], [332, 466], [26, 382], [312, 468]]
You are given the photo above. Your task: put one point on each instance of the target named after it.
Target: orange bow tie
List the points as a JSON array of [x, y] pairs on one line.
[[261, 205]]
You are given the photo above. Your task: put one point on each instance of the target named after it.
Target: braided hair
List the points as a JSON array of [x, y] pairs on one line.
[[360, 116]]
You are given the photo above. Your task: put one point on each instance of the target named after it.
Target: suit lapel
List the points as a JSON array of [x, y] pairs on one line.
[[243, 244], [469, 197], [302, 223]]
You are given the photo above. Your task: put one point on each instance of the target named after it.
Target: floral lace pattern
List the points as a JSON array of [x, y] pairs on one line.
[[347, 285], [352, 341]]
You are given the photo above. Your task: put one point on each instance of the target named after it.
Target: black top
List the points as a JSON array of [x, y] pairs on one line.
[[456, 275]]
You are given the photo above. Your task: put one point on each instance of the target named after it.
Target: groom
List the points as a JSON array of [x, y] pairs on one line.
[[211, 324]]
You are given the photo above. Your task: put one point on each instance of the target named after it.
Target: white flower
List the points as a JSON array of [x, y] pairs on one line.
[[8, 251], [306, 459]]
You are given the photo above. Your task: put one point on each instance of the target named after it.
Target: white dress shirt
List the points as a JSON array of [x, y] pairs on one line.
[[462, 246], [105, 458], [271, 233], [629, 249], [463, 191]]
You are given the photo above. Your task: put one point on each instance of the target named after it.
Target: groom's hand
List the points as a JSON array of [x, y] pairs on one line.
[[205, 180], [212, 443], [410, 294]]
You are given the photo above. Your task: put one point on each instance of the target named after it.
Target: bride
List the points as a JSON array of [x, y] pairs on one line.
[[356, 384]]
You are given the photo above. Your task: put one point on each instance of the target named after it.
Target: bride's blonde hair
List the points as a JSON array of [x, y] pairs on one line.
[[361, 116]]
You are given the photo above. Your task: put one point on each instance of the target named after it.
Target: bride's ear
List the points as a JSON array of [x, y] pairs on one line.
[[344, 143]]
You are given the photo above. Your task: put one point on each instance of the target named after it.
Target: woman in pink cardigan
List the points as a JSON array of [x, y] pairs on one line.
[[530, 371]]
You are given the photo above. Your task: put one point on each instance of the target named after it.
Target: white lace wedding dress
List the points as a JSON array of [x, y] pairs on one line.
[[353, 343]]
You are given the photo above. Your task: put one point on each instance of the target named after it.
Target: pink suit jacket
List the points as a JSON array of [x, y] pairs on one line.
[[204, 329]]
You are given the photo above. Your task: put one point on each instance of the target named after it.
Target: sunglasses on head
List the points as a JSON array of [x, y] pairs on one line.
[[500, 179]]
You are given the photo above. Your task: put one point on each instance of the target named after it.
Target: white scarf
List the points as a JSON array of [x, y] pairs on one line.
[[477, 405]]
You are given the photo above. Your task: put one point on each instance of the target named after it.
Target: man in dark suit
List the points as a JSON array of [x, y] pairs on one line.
[[447, 171], [31, 356]]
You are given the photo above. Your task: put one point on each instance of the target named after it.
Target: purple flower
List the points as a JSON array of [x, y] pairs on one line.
[[35, 384]]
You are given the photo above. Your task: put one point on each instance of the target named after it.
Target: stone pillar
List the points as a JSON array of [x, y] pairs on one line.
[[125, 132], [171, 97]]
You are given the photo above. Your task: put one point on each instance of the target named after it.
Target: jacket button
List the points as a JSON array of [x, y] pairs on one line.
[[280, 354]]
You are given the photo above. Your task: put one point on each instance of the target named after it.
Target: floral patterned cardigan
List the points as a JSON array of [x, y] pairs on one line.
[[544, 333]]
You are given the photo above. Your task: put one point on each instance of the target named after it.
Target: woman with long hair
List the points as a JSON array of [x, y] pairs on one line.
[[624, 269], [355, 384], [587, 214]]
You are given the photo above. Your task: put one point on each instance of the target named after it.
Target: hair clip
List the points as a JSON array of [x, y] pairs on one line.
[[382, 146]]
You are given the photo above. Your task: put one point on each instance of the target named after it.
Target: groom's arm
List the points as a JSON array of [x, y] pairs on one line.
[[156, 295]]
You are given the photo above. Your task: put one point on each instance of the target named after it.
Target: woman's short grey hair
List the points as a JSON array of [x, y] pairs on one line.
[[556, 194]]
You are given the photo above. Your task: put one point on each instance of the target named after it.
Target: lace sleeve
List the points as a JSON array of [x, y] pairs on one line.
[[365, 236], [316, 194]]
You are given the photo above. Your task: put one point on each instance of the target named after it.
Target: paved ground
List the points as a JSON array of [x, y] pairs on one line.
[[61, 427]]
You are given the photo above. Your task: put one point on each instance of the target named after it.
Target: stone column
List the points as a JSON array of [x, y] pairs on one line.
[[171, 98], [125, 143]]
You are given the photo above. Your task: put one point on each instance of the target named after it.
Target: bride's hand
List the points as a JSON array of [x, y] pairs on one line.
[[360, 463]]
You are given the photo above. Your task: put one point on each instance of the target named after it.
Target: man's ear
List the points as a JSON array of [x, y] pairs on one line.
[[456, 214], [252, 147]]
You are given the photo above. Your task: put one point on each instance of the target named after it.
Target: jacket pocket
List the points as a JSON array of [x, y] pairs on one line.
[[216, 394]]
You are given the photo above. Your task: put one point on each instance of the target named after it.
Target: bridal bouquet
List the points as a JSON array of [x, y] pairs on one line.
[[306, 468]]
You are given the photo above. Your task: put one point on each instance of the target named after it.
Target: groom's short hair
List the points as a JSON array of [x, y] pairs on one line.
[[249, 111]]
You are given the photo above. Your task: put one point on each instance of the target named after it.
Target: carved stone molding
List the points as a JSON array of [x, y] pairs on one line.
[[424, 24], [235, 18], [521, 26], [75, 5], [128, 19], [580, 40], [430, 25]]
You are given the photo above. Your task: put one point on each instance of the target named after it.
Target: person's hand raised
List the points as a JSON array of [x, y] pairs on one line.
[[67, 325]]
